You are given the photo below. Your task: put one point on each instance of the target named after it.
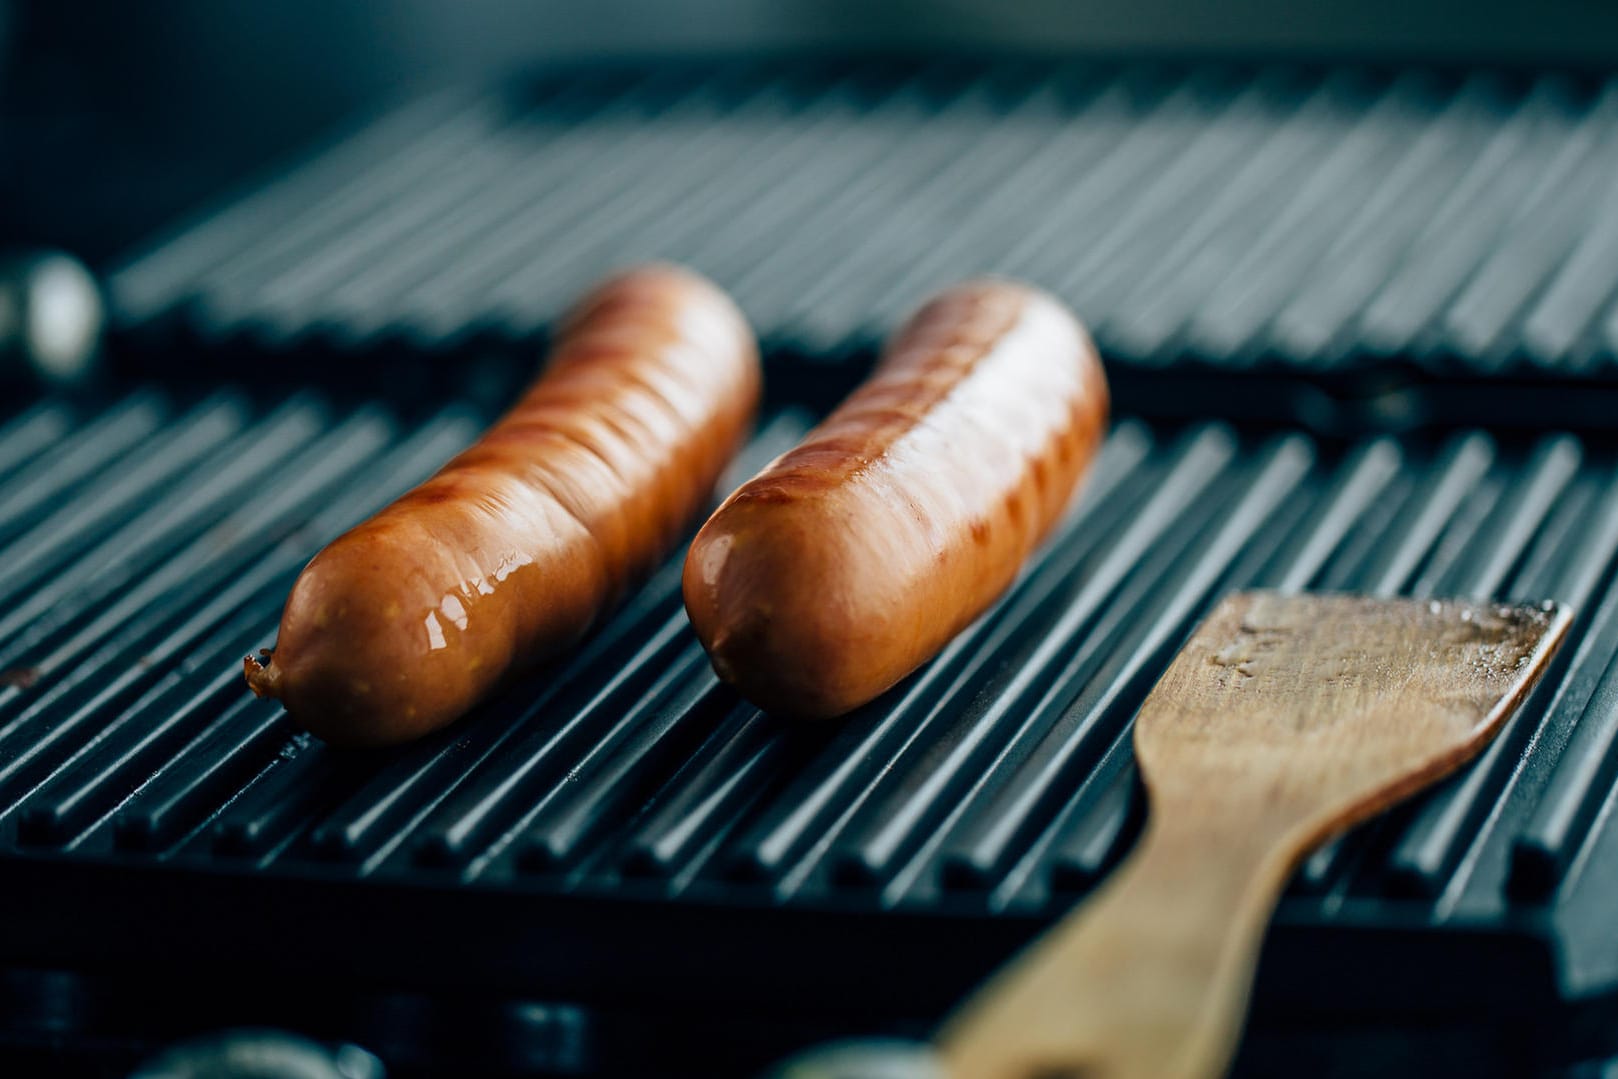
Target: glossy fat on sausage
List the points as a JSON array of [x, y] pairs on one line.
[[520, 544], [853, 558]]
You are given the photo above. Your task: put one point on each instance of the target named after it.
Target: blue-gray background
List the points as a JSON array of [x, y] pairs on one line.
[[115, 117]]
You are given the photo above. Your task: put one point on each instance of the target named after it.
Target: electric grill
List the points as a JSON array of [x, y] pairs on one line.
[[1338, 307]]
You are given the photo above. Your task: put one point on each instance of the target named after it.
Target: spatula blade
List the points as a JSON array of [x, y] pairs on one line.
[[1337, 694]]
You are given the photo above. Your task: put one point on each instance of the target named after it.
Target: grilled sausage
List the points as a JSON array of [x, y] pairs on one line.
[[517, 546], [854, 557]]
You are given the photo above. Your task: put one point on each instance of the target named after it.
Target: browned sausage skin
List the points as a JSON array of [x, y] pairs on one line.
[[854, 557], [519, 545]]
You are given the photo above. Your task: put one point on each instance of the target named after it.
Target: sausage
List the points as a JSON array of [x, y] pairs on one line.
[[853, 558], [513, 550]]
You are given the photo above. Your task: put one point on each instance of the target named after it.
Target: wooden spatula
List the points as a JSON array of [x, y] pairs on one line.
[[1285, 718]]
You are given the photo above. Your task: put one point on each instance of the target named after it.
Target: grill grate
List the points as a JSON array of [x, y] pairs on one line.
[[622, 816], [1315, 220], [150, 541]]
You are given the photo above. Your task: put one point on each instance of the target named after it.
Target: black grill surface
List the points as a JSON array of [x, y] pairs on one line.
[[621, 830], [1308, 220]]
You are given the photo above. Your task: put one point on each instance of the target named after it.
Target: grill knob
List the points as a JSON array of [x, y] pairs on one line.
[[863, 1059], [51, 317], [260, 1054]]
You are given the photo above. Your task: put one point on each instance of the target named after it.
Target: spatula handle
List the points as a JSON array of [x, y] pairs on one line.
[[1147, 980]]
